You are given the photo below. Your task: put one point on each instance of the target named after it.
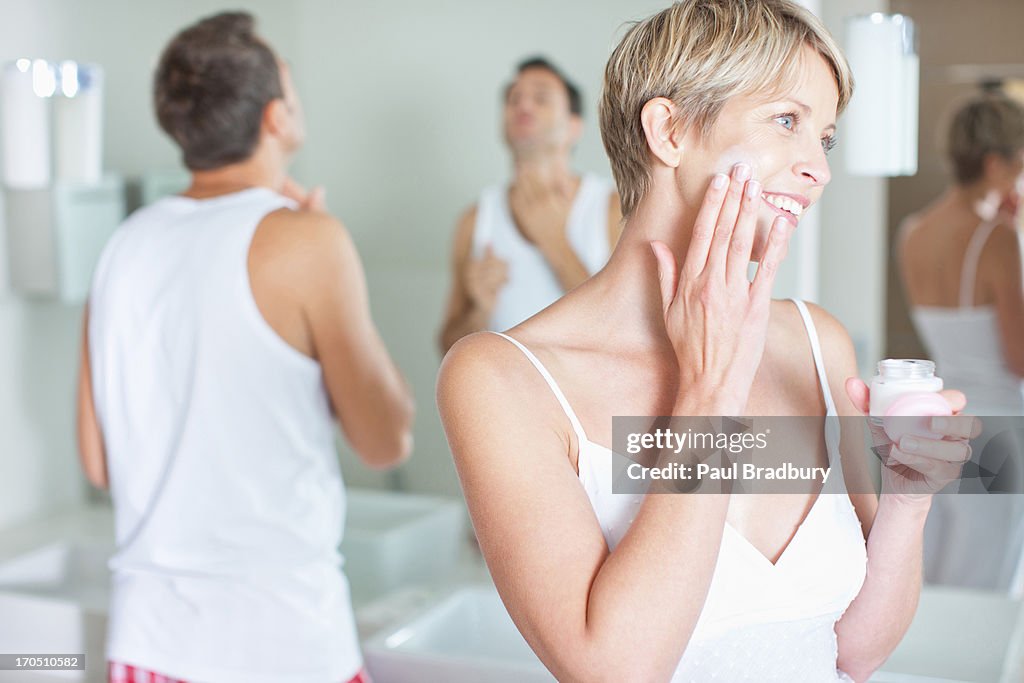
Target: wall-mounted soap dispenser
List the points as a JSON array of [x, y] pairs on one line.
[[55, 235], [58, 216]]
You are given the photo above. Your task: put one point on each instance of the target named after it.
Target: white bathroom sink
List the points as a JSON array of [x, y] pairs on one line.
[[53, 600], [957, 636], [467, 637], [397, 540], [73, 571], [962, 635]]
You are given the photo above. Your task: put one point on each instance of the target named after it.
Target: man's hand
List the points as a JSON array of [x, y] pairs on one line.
[[541, 209], [484, 279], [313, 200]]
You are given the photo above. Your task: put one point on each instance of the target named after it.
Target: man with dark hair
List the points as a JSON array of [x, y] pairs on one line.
[[226, 328], [525, 244]]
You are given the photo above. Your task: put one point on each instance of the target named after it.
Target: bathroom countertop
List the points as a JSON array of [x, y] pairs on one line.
[[84, 522], [95, 523]]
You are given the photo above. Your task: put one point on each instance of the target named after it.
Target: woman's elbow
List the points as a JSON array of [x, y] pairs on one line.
[[860, 673], [614, 670], [604, 663]]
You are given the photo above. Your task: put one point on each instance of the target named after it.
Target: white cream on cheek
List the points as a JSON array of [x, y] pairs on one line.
[[737, 154]]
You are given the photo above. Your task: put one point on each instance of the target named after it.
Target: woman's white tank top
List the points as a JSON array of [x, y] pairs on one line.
[[532, 285], [975, 541], [966, 346], [761, 621], [228, 498]]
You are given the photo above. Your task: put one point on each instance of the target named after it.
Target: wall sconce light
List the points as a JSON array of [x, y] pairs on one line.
[[880, 124]]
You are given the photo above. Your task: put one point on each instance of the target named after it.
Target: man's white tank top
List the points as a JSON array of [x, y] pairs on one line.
[[228, 498], [966, 345], [761, 621], [532, 285]]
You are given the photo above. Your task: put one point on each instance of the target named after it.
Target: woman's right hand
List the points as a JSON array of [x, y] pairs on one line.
[[715, 317]]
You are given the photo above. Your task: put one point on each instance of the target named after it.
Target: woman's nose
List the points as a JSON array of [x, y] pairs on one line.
[[814, 164]]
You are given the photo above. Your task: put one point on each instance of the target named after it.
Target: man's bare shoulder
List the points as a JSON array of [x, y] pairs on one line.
[[303, 239]]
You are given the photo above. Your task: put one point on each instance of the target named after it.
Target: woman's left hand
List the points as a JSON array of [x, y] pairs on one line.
[[917, 466]]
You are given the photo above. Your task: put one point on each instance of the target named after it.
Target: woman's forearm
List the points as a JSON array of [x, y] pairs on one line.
[[878, 618], [646, 599]]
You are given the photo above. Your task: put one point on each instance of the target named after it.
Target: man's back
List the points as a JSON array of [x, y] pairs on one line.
[[220, 449]]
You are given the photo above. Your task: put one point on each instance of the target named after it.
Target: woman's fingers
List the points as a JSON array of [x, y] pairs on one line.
[[704, 227], [956, 399], [743, 234], [774, 252], [937, 450], [957, 427], [937, 472], [666, 273], [720, 241]]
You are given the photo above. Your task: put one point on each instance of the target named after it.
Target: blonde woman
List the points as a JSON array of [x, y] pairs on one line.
[[717, 116], [960, 259], [961, 263]]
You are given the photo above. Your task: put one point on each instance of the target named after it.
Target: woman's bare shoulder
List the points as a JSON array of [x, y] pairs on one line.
[[1000, 259], [478, 360], [833, 338], [484, 375]]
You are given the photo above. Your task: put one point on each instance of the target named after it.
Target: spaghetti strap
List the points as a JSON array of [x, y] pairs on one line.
[[969, 272], [577, 427], [819, 363], [837, 483]]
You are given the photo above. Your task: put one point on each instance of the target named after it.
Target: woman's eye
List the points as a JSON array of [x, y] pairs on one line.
[[786, 120], [828, 142]]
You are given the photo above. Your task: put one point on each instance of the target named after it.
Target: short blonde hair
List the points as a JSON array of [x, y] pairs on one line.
[[992, 123], [699, 54]]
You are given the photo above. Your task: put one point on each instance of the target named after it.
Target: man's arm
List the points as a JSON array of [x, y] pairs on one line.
[[90, 439], [463, 315], [304, 268]]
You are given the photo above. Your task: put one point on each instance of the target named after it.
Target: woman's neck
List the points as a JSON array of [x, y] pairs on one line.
[[979, 199], [629, 283]]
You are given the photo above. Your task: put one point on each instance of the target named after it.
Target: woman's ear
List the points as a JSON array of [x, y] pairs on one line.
[[658, 120]]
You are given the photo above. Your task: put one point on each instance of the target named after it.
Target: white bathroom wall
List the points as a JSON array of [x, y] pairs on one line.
[[403, 102], [854, 231]]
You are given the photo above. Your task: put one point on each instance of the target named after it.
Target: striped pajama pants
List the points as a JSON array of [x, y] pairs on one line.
[[126, 673]]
